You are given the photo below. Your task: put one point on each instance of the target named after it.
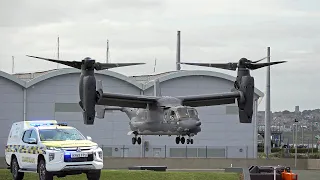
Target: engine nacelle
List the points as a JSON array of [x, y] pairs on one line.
[[245, 102], [89, 99]]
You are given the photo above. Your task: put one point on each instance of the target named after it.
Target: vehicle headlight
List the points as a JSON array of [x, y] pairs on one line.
[[95, 147]]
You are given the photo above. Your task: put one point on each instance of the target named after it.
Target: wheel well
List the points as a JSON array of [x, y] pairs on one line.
[[40, 157]]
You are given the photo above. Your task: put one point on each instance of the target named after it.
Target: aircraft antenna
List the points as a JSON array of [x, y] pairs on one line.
[[58, 54]]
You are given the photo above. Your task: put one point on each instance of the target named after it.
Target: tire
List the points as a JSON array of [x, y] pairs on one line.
[[15, 170], [94, 175], [42, 171]]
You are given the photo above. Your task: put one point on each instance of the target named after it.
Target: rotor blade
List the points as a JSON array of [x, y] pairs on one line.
[[228, 66], [260, 65], [101, 66], [75, 64], [260, 59]]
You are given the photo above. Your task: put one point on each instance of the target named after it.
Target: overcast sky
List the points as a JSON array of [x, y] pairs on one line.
[[142, 30]]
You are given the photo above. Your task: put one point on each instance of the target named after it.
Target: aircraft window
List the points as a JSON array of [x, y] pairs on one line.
[[183, 113], [192, 113]]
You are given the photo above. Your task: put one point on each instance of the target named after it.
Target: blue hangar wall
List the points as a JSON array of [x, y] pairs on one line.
[[54, 95]]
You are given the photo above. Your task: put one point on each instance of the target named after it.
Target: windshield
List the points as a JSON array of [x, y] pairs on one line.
[[183, 113], [60, 134], [193, 113]]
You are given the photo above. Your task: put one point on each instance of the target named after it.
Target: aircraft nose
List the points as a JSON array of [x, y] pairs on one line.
[[190, 124]]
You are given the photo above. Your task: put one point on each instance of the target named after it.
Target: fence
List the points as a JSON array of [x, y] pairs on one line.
[[177, 151]]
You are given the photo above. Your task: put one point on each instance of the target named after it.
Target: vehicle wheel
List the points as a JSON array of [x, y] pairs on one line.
[[183, 140], [139, 140], [134, 140], [15, 170], [43, 173], [94, 175], [177, 140]]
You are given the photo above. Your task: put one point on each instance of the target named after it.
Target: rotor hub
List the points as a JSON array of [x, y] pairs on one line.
[[88, 63]]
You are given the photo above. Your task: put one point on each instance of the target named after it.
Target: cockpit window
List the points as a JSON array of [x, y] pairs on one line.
[[192, 113], [183, 113]]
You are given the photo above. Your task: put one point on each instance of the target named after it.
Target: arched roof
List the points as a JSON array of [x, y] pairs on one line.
[[184, 73], [72, 70], [12, 78]]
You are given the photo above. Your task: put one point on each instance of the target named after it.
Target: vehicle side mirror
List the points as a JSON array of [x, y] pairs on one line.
[[32, 141], [89, 138]]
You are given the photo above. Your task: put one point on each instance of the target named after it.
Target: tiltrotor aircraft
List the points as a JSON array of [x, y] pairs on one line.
[[152, 110]]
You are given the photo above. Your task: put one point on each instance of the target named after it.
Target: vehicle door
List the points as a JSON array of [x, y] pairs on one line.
[[23, 155], [32, 149]]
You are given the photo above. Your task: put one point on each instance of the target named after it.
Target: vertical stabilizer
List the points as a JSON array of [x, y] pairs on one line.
[[156, 88]]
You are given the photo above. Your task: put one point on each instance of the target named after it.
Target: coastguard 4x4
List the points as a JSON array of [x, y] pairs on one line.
[[51, 149]]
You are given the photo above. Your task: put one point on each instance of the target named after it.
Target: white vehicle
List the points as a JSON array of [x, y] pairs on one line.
[[51, 149]]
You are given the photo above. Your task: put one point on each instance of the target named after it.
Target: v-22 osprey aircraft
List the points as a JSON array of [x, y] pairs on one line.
[[177, 120], [154, 110]]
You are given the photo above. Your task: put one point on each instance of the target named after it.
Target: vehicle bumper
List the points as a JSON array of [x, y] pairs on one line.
[[74, 166]]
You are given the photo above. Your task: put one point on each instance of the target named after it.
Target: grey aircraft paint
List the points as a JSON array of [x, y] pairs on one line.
[[147, 114]]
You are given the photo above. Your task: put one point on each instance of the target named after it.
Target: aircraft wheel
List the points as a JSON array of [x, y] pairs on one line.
[[177, 140], [139, 140], [191, 141], [182, 140], [134, 140], [188, 141]]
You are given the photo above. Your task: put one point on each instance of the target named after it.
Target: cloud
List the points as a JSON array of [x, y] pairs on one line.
[[142, 30]]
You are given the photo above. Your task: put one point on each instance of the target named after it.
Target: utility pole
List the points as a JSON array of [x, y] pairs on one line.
[[58, 52], [12, 64], [312, 122], [178, 68], [107, 53], [267, 133]]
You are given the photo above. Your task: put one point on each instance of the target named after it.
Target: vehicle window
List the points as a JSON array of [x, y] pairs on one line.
[[34, 135], [192, 113], [60, 134], [183, 113], [26, 136]]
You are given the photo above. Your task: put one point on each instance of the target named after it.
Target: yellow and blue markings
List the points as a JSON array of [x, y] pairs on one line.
[[25, 149]]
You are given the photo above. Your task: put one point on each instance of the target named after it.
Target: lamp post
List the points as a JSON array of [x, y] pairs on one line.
[[296, 145]]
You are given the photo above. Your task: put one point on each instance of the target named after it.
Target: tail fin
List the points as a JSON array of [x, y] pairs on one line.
[[101, 110]]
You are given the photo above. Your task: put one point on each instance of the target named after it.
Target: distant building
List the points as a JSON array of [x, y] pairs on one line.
[[296, 110]]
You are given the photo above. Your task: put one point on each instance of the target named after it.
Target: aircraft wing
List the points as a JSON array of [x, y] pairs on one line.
[[126, 100], [210, 99]]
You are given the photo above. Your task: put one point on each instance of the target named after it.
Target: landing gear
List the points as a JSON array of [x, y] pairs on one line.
[[136, 140], [189, 141], [183, 140]]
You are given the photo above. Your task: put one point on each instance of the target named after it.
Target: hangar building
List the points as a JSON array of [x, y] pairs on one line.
[[54, 95]]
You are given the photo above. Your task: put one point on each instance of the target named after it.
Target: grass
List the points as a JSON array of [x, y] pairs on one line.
[[138, 175]]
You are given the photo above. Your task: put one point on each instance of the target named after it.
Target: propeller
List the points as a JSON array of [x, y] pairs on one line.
[[243, 63], [88, 63]]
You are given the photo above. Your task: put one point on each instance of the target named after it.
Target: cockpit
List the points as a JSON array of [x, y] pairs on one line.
[[187, 112]]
